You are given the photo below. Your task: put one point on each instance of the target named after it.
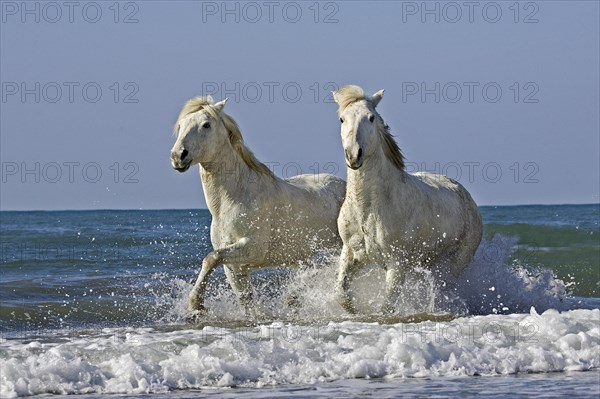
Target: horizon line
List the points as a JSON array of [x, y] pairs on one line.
[[202, 209]]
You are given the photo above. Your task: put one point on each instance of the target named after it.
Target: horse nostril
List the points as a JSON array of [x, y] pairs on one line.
[[183, 154], [359, 153]]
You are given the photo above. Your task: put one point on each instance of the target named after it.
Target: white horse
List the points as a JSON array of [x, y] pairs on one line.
[[258, 219], [392, 218]]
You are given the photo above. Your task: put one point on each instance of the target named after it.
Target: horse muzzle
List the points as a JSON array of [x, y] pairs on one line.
[[181, 169], [354, 166], [180, 161], [354, 161]]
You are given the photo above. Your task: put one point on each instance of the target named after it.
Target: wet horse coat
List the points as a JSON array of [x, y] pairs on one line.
[[258, 219], [392, 218]]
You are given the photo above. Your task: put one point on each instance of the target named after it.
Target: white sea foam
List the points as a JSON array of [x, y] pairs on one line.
[[145, 360]]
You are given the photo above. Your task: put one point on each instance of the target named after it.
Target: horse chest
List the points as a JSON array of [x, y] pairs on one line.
[[374, 235], [364, 233]]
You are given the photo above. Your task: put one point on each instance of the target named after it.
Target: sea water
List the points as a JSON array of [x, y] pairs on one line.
[[93, 303]]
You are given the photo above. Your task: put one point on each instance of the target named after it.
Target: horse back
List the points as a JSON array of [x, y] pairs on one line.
[[323, 187]]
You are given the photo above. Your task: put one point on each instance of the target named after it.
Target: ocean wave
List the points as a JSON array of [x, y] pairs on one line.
[[145, 360]]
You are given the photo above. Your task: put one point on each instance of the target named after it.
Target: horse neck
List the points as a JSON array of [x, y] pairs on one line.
[[374, 179], [227, 179]]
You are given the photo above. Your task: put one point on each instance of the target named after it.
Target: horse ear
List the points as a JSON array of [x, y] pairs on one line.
[[376, 98], [219, 106], [335, 96]]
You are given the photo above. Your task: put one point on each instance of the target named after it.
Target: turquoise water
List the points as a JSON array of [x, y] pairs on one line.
[[562, 238], [91, 302]]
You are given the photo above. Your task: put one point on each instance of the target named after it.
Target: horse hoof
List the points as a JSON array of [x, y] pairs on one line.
[[292, 301], [195, 310], [388, 310], [346, 303], [196, 315], [350, 309], [254, 314]]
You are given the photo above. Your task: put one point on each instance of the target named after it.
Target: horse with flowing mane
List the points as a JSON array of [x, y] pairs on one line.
[[392, 218], [258, 219]]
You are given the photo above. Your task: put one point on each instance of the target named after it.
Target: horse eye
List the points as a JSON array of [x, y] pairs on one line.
[[206, 125], [371, 118], [341, 120]]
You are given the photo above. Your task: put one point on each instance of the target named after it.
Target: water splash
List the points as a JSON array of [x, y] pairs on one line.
[[491, 284]]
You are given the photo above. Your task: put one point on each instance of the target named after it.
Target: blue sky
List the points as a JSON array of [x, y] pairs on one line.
[[502, 96]]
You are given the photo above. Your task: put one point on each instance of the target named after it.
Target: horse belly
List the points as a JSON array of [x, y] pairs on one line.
[[386, 242], [300, 240]]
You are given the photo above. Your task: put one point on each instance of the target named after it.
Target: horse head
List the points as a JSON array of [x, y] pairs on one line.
[[360, 123], [200, 133]]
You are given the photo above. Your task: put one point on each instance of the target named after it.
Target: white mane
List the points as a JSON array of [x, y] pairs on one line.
[[235, 135]]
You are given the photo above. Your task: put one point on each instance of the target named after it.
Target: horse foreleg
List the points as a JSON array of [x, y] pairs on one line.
[[394, 278], [244, 253], [234, 253], [196, 297], [347, 267], [240, 283]]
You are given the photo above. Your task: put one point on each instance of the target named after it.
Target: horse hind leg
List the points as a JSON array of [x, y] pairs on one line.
[[394, 278], [461, 259], [449, 270], [240, 283]]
